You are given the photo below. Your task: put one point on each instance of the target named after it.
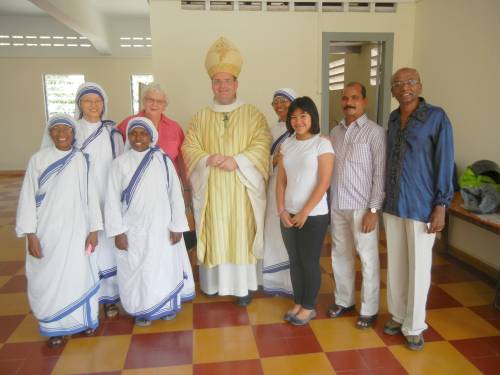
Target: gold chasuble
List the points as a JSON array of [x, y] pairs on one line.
[[226, 221]]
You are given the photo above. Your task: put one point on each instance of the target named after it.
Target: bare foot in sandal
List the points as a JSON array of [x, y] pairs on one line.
[[110, 310]]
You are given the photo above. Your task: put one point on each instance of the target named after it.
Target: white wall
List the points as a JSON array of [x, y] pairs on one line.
[[280, 49], [22, 100], [457, 51]]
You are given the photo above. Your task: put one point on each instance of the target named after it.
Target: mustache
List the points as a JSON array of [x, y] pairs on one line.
[[349, 107]]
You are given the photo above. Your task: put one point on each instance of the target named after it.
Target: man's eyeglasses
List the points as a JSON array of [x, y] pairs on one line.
[[399, 84]]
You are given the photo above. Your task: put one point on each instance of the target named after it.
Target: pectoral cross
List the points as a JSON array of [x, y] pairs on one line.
[[226, 120]]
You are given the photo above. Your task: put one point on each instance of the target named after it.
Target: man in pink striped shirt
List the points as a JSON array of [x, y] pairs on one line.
[[357, 194]]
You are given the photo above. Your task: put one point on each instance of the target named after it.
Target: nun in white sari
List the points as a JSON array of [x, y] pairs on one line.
[[276, 265], [99, 139], [145, 213], [59, 214]]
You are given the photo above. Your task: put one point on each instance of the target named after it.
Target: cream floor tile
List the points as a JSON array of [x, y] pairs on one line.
[[12, 248], [170, 370], [437, 358], [93, 354], [4, 279], [268, 310], [327, 284], [14, 304], [317, 364], [473, 293], [183, 322], [326, 264], [27, 331], [459, 323], [224, 344], [341, 334]]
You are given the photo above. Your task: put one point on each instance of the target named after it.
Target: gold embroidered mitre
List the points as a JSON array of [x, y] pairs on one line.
[[224, 57]]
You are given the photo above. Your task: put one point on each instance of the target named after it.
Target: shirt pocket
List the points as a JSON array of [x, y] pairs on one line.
[[359, 153]]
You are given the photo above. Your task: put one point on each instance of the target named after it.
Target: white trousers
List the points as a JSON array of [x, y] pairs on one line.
[[409, 262], [346, 238]]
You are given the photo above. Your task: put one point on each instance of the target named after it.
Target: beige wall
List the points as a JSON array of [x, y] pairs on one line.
[[458, 59], [280, 49], [22, 99]]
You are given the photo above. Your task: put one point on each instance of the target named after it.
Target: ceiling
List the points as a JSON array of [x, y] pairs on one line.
[[56, 28]]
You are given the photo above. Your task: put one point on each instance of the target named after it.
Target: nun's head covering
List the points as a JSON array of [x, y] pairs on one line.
[[57, 119], [286, 93], [90, 88], [146, 124]]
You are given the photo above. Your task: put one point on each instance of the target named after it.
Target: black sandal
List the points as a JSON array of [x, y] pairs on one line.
[[335, 311], [365, 322], [55, 342]]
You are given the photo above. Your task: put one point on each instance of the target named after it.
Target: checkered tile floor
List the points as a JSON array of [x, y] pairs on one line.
[[214, 336]]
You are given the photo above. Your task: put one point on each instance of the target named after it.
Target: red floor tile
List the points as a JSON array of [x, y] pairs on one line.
[[17, 284], [38, 366], [285, 339], [488, 365], [378, 357], [28, 350], [10, 268], [8, 324], [438, 299], [160, 349], [121, 325], [488, 312], [218, 314], [249, 367], [480, 347], [450, 273], [10, 366], [347, 360]]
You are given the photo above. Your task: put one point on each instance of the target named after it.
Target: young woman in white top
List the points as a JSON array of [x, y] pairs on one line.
[[304, 175]]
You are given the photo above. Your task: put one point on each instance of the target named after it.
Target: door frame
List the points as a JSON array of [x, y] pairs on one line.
[[384, 92]]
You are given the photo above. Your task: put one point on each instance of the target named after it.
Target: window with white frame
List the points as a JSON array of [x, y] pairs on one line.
[[336, 74], [60, 91], [374, 66], [136, 81]]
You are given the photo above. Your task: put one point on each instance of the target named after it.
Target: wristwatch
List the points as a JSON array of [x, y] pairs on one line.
[[373, 210]]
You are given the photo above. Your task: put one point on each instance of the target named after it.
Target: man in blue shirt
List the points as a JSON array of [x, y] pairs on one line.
[[419, 187]]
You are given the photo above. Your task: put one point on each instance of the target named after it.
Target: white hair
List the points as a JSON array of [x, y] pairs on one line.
[[153, 86]]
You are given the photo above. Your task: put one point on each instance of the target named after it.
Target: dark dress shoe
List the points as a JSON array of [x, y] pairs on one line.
[[244, 301], [336, 310]]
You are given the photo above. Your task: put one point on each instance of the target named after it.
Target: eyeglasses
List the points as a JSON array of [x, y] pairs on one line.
[[155, 101], [279, 101], [399, 84], [90, 102]]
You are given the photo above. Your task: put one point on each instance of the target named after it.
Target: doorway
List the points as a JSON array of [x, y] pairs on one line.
[[362, 57]]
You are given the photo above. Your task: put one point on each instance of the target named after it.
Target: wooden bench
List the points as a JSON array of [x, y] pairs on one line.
[[457, 210]]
